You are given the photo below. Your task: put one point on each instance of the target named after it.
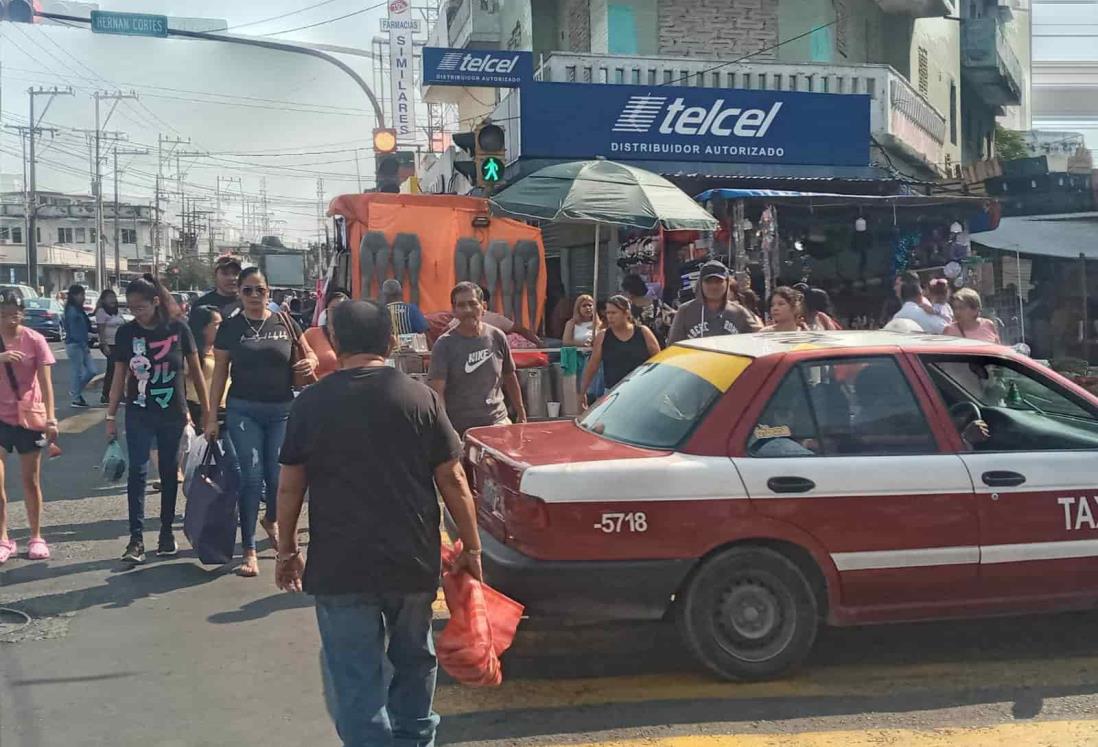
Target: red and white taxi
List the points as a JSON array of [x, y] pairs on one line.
[[756, 485]]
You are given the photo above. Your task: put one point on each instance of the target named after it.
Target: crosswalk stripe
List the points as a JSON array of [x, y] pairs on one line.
[[830, 681], [1029, 734]]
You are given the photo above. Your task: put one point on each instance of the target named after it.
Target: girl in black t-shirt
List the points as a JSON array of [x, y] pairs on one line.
[[255, 349], [148, 358]]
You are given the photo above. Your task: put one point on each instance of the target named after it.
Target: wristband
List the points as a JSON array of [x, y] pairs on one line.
[[475, 553]]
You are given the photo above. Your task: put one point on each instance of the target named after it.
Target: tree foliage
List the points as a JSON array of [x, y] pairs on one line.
[[1009, 144]]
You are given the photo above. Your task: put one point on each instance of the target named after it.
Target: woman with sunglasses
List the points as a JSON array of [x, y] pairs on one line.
[[621, 347], [255, 348]]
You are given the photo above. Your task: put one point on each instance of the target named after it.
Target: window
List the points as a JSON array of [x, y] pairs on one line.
[[5, 234], [1023, 410], [924, 72], [17, 235], [842, 407], [91, 235], [64, 235], [38, 234], [660, 403], [81, 235], [622, 29], [129, 236]]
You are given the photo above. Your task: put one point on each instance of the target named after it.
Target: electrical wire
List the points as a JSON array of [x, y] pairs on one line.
[[330, 20], [280, 16]]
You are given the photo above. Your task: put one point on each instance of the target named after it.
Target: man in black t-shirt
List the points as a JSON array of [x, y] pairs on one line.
[[370, 445], [224, 296]]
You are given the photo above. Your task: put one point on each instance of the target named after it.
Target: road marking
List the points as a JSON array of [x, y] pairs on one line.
[[830, 681], [1028, 734]]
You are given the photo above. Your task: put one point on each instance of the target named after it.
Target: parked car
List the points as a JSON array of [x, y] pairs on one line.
[[25, 291], [44, 316], [755, 486]]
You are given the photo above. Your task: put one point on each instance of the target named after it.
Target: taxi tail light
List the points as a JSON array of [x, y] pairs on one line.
[[525, 510]]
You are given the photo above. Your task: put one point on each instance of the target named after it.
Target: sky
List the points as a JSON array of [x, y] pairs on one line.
[[249, 113]]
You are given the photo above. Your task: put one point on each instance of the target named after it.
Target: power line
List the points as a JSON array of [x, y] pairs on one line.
[[282, 15], [330, 20]]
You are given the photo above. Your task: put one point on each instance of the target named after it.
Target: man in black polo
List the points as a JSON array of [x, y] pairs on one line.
[[370, 444], [224, 295]]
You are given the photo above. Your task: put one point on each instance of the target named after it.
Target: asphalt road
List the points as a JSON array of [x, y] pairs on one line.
[[174, 653]]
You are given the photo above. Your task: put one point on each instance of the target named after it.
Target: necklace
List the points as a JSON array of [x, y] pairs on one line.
[[256, 330]]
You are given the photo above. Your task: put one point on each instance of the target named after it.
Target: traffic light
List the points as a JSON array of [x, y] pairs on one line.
[[19, 11], [386, 163], [487, 146]]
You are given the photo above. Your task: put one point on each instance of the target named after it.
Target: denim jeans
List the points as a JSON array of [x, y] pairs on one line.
[[257, 430], [142, 429], [382, 694], [83, 369]]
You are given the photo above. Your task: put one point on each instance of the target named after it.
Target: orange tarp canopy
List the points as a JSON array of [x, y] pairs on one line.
[[439, 221]]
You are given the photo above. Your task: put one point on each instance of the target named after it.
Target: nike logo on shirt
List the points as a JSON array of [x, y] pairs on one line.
[[477, 359]]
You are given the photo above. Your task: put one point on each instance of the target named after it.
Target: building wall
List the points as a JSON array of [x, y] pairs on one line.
[[856, 37], [718, 28], [1065, 68], [574, 22], [941, 40], [545, 35]]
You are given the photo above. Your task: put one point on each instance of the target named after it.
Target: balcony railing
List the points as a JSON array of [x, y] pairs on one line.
[[990, 61], [899, 114]]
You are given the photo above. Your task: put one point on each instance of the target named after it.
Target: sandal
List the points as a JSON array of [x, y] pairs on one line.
[[249, 568], [37, 549], [7, 549]]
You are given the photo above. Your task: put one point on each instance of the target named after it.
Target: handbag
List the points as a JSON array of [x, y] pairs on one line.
[[211, 517], [32, 411], [297, 353]]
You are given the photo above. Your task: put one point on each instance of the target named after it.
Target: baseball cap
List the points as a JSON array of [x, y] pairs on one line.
[[227, 261], [713, 269]]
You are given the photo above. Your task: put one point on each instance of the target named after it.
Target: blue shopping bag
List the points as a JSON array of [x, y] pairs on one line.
[[212, 494]]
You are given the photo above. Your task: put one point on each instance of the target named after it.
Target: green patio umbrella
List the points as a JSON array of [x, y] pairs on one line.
[[600, 191]]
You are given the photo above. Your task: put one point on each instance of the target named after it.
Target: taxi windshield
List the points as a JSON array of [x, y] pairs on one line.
[[660, 403]]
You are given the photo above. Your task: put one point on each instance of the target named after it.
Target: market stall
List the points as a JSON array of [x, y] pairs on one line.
[[850, 245]]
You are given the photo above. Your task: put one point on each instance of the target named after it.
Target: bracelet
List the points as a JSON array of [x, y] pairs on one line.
[[475, 553], [288, 558], [51, 422], [109, 417]]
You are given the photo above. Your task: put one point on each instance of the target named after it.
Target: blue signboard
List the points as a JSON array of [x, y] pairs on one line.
[[476, 67], [670, 123]]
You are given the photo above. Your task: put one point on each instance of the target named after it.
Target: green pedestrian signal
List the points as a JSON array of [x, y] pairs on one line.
[[491, 169]]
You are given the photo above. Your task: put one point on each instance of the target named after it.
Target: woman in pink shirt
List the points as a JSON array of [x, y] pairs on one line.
[[967, 321], [26, 358]]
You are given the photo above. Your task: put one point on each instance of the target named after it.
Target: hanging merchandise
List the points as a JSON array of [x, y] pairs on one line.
[[768, 240], [407, 260], [499, 269], [527, 259], [468, 260], [903, 247], [639, 250], [373, 261]]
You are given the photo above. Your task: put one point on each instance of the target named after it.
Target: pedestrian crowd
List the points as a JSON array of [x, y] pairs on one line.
[[322, 412]]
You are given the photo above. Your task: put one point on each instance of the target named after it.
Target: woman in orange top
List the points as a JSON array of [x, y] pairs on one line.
[[318, 340]]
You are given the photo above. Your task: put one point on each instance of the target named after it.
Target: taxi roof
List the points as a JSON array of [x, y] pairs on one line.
[[759, 344]]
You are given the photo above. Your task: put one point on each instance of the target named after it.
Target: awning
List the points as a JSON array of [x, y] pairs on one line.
[[828, 200], [1066, 235]]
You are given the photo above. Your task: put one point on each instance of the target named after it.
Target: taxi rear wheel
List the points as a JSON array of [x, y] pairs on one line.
[[749, 613]]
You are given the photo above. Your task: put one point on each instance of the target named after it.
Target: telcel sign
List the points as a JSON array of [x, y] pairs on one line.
[[464, 67], [694, 124]]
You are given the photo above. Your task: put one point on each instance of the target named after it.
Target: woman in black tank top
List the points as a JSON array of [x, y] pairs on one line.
[[621, 347]]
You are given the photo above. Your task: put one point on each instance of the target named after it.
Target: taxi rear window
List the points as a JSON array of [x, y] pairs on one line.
[[661, 402]]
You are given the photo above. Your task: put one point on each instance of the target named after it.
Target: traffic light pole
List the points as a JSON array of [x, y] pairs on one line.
[[262, 44]]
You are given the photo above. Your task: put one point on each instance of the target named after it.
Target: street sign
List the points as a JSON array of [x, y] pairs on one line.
[[129, 24]]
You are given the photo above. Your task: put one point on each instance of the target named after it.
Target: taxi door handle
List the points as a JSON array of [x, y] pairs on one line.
[[790, 484], [1002, 479]]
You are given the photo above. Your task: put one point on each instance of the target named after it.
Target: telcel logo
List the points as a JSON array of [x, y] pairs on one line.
[[641, 112], [478, 63]]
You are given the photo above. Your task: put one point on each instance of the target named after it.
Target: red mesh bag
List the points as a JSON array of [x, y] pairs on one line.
[[482, 626]]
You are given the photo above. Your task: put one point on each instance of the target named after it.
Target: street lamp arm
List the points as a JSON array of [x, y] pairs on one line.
[[262, 44]]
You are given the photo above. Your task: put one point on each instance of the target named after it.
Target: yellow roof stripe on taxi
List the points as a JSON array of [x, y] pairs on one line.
[[719, 369]]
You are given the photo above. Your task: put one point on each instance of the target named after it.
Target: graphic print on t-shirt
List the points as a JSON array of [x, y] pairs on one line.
[[152, 372], [477, 359]]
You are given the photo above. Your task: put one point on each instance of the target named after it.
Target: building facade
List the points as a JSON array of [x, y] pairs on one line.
[[66, 238], [1065, 67]]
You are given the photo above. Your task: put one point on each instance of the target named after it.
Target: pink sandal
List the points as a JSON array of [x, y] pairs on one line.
[[7, 549], [37, 549]]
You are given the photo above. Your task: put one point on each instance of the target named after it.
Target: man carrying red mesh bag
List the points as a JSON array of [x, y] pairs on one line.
[[370, 445]]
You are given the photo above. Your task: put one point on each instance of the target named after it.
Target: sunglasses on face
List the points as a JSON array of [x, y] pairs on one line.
[[254, 290]]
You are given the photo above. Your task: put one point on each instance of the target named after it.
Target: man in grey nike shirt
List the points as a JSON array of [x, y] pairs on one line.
[[472, 368]]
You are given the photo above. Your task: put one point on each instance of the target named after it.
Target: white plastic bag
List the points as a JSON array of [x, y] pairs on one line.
[[185, 443]]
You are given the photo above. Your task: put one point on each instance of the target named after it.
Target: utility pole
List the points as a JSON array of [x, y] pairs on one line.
[[226, 180], [358, 170], [320, 224], [100, 245], [32, 213], [117, 152]]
